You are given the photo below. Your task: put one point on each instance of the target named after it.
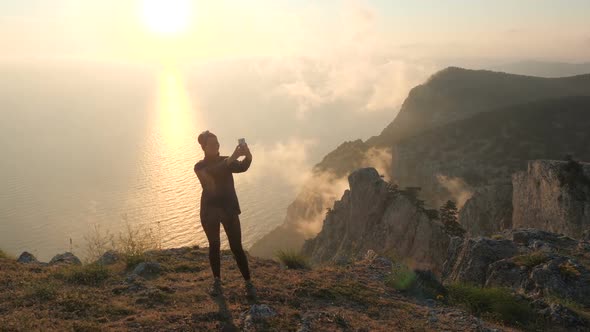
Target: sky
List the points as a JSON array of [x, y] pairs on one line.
[[117, 31]]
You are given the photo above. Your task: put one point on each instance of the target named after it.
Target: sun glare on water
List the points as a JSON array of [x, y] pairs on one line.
[[166, 17]]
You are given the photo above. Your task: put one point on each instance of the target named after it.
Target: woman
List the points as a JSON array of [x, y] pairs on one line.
[[219, 204]]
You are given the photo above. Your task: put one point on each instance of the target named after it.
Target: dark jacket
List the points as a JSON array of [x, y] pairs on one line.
[[225, 193]]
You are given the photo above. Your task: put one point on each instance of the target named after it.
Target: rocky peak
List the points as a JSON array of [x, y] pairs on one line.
[[374, 216]]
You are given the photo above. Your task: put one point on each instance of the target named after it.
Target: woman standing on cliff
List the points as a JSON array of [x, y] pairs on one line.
[[219, 205]]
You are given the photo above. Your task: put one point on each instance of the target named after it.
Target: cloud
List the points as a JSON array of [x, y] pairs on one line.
[[324, 188], [458, 189], [284, 161], [380, 159]]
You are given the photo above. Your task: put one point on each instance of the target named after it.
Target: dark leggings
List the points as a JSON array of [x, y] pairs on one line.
[[231, 224]]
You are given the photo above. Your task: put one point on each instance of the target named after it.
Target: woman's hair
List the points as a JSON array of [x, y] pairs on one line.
[[204, 136]]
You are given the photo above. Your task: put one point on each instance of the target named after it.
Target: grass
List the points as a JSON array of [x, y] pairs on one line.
[[293, 260], [132, 242], [352, 291], [495, 303], [531, 260], [568, 270], [41, 292], [570, 304], [90, 275]]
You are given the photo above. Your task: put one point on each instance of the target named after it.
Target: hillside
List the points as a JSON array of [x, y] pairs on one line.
[[173, 297], [487, 148], [454, 94], [451, 95]]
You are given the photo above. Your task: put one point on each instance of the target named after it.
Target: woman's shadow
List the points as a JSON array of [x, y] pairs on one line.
[[224, 313]]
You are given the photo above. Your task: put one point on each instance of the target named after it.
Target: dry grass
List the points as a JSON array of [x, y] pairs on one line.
[[531, 260], [336, 298], [4, 255], [132, 242]]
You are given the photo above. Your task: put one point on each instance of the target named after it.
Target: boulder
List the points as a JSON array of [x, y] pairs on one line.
[[108, 258], [147, 270], [470, 265], [66, 258], [27, 258]]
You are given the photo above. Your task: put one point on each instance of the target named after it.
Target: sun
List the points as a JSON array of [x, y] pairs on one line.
[[166, 17]]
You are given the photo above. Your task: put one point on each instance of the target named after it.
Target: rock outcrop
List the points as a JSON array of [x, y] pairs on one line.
[[529, 261], [372, 216], [469, 261], [316, 196], [488, 211], [553, 196]]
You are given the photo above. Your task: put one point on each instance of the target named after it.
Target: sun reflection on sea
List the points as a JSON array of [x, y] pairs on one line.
[[170, 201]]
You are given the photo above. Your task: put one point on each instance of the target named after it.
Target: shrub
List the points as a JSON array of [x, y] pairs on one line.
[[401, 278], [293, 260], [497, 303], [132, 243]]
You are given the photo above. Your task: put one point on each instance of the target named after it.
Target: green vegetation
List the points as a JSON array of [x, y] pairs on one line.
[[531, 260], [495, 303], [91, 274], [449, 217], [416, 283], [401, 278], [293, 260]]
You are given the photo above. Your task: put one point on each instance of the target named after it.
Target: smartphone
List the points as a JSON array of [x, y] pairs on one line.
[[241, 141]]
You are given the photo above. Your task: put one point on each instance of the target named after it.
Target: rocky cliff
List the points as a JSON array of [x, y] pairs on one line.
[[488, 211], [553, 196], [374, 216], [470, 157]]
